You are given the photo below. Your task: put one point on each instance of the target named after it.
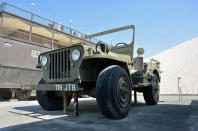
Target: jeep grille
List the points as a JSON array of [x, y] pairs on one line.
[[59, 66]]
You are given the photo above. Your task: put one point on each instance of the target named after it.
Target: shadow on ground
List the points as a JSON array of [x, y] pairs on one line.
[[161, 117]]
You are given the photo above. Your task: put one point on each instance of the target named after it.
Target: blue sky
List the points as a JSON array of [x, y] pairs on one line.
[[160, 24]]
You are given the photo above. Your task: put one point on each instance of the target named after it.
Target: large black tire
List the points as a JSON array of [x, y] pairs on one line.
[[113, 92], [49, 100], [151, 93]]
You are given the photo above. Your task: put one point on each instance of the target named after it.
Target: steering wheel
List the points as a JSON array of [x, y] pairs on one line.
[[102, 46], [122, 43]]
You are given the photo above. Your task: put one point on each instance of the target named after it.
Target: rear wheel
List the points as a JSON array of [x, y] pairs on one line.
[[151, 93], [51, 100], [113, 92]]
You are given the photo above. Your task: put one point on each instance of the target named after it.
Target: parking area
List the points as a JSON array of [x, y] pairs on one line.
[[169, 114]]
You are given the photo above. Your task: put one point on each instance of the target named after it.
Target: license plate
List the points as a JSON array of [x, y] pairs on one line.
[[66, 87], [26, 87]]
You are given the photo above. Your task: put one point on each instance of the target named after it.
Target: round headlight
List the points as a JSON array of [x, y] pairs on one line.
[[75, 55], [43, 60]]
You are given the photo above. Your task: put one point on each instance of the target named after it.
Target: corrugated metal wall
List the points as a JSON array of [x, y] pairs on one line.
[[11, 77]]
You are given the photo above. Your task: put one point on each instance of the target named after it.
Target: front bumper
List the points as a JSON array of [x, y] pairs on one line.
[[53, 87]]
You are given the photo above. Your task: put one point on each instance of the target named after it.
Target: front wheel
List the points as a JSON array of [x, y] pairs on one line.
[[113, 92], [51, 100], [151, 93]]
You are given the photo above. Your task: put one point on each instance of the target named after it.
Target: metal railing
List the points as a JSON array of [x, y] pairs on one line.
[[37, 40], [46, 22], [8, 32]]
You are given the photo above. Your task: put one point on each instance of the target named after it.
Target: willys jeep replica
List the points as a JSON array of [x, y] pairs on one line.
[[107, 73]]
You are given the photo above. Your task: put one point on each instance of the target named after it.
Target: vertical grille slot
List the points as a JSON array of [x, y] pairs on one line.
[[68, 52], [64, 65], [51, 71], [59, 66], [55, 65]]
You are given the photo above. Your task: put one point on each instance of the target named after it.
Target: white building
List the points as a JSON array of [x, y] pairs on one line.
[[179, 61]]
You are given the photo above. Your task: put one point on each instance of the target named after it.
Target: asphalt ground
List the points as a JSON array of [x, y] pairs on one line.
[[168, 115]]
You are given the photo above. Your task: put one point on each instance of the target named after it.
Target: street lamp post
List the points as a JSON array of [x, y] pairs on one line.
[[32, 17], [70, 23], [32, 7], [32, 11]]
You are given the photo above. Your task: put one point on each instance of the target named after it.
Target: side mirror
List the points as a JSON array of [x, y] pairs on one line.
[[140, 51]]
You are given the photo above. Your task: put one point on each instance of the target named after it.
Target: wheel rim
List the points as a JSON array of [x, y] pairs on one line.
[[123, 92]]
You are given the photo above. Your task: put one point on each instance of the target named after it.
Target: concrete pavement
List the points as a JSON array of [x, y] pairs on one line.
[[168, 115]]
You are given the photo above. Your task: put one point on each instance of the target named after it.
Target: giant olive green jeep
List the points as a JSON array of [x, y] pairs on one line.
[[107, 73]]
